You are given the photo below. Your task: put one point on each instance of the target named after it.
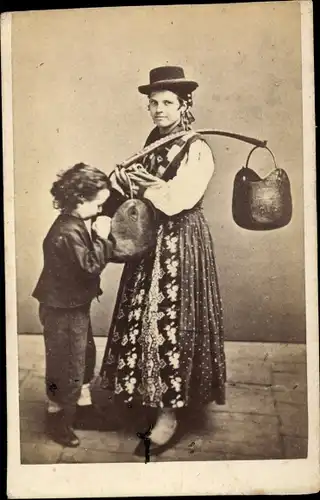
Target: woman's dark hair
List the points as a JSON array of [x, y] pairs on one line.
[[78, 183]]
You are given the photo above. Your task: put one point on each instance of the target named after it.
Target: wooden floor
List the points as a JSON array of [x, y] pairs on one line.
[[265, 416]]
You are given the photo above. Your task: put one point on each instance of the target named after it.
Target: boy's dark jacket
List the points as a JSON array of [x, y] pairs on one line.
[[73, 262]]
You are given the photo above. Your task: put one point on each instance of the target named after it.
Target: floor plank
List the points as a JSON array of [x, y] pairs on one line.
[[293, 420], [40, 453], [265, 415], [295, 447], [284, 381], [247, 399]]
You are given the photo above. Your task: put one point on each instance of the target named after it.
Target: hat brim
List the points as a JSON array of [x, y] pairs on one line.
[[183, 85]]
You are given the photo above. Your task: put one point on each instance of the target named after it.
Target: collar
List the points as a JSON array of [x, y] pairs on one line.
[[155, 134]]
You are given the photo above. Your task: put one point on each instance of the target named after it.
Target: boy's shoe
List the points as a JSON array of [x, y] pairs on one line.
[[59, 432], [66, 437]]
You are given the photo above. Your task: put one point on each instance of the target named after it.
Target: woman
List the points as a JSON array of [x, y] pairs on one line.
[[165, 347]]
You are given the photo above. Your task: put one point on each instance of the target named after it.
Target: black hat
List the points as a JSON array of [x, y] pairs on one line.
[[168, 78]]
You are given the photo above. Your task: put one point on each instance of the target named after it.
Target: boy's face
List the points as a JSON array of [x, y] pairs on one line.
[[90, 208]]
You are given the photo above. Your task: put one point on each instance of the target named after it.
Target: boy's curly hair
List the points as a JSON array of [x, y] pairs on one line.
[[78, 183]]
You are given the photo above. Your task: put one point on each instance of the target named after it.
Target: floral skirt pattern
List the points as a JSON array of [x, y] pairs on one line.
[[166, 344]]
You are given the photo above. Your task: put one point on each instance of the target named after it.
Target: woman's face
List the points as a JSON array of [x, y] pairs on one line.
[[165, 108]]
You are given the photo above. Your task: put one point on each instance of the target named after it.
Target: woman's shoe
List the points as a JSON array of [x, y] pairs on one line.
[[175, 439], [165, 427], [146, 448], [143, 448]]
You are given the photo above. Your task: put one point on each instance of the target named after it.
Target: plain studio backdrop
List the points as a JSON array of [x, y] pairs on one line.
[[75, 98]]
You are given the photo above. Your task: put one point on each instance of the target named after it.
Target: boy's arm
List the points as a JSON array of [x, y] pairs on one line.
[[90, 261]]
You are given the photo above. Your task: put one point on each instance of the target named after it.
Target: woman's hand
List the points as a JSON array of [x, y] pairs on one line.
[[140, 185], [122, 178], [141, 177], [101, 227], [138, 171], [136, 177]]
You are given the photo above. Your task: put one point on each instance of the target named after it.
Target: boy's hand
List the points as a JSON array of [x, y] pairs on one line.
[[102, 226]]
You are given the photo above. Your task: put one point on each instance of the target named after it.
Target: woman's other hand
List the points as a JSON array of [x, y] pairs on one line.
[[139, 185], [141, 179], [137, 178], [138, 171], [101, 227], [122, 179]]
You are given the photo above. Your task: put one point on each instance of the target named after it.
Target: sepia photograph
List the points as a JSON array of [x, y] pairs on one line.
[[160, 250]]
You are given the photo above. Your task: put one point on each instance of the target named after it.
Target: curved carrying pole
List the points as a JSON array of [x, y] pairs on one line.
[[250, 140], [148, 149]]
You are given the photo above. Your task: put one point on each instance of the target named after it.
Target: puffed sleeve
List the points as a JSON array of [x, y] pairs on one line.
[[188, 186]]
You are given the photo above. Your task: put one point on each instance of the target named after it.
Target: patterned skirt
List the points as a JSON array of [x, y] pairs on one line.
[[166, 344]]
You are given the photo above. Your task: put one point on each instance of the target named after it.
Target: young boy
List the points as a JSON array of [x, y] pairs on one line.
[[74, 257]]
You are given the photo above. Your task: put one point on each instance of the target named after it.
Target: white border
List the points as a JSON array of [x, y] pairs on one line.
[[164, 479], [10, 247]]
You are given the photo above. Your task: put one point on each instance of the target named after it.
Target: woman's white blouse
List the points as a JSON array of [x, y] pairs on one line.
[[188, 186]]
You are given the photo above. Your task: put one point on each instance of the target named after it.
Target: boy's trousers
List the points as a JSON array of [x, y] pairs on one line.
[[70, 354]]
